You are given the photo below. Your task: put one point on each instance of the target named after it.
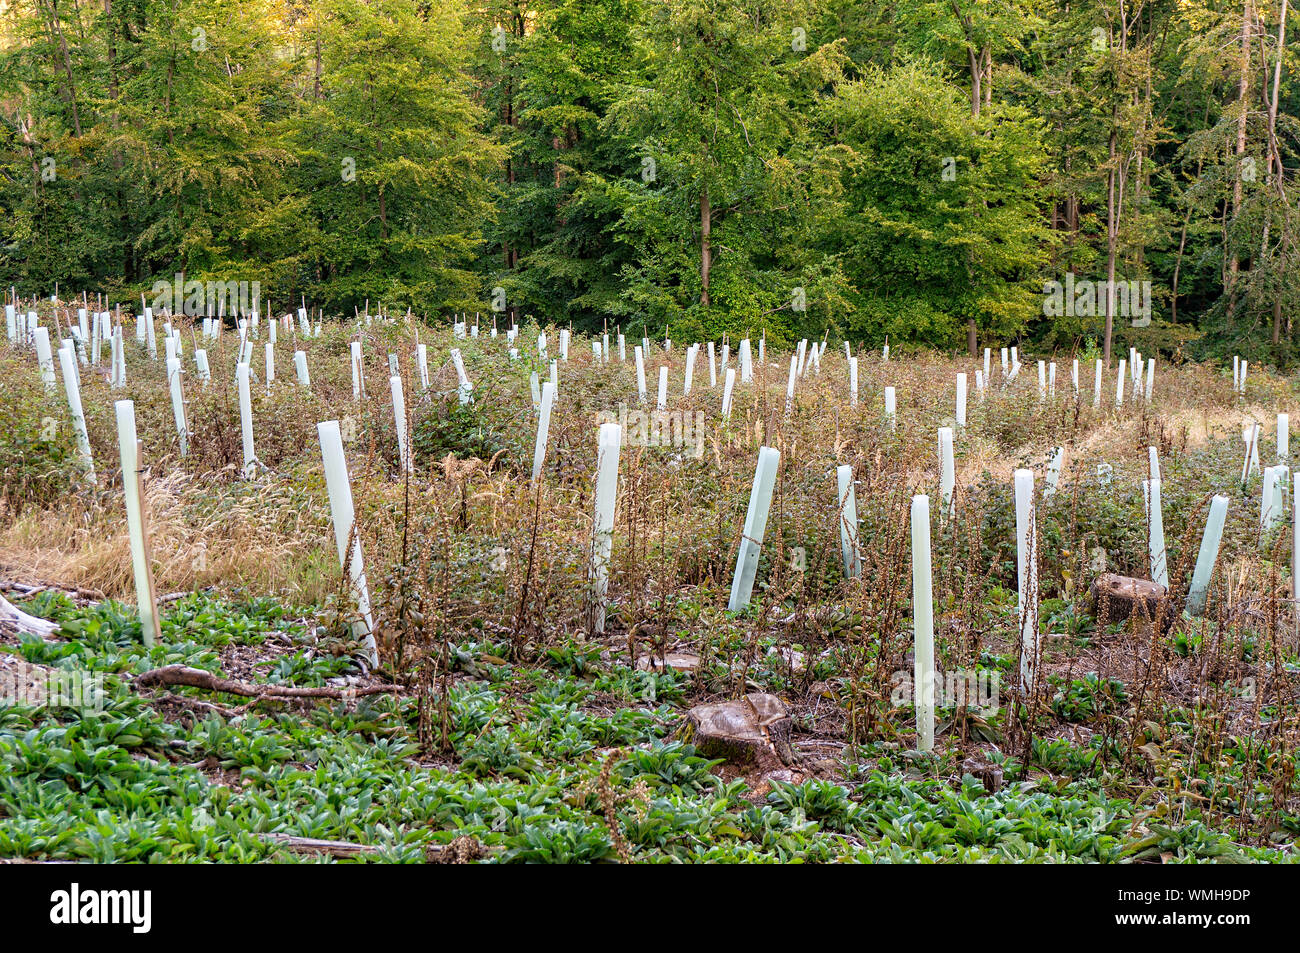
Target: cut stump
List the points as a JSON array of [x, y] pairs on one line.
[[1117, 598], [754, 729], [677, 661]]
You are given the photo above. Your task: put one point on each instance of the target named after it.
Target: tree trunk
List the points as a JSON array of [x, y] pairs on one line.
[[1243, 84], [706, 249], [1275, 168], [1112, 241]]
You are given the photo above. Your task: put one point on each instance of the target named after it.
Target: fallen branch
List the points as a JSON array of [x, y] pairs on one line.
[[198, 678], [11, 615], [27, 590], [311, 845], [462, 850]]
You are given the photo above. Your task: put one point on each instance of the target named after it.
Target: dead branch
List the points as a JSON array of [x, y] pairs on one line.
[[197, 678]]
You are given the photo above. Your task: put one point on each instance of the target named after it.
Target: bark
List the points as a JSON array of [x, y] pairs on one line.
[[706, 248]]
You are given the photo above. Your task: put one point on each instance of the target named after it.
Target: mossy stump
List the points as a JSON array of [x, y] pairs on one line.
[[751, 730]]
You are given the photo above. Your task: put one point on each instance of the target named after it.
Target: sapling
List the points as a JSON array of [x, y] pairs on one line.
[[119, 359], [246, 420], [662, 400], [961, 400], [1156, 535], [1055, 460], [465, 388], [1250, 437], [45, 357], [751, 538], [947, 472], [922, 624], [639, 355], [1271, 498], [728, 384], [891, 408], [404, 453], [609, 441], [142, 570], [300, 365], [1027, 576], [178, 404], [347, 540], [847, 512], [543, 428], [1209, 552], [853, 382], [73, 390]]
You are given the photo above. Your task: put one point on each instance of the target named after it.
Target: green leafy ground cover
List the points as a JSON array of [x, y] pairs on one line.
[[560, 761]]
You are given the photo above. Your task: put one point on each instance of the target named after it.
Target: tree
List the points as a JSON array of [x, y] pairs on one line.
[[950, 230]]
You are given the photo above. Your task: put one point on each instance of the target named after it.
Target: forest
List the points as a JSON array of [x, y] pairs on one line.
[[646, 431], [930, 173]]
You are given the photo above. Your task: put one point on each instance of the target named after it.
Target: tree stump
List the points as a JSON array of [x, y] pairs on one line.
[[1117, 598], [754, 729], [677, 661]]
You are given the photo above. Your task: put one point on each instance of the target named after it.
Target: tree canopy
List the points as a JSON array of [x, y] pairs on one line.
[[913, 171]]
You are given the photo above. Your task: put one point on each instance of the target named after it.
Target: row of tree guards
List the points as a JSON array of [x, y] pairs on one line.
[[81, 347]]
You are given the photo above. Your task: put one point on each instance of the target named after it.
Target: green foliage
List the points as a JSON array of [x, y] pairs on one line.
[[913, 171]]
